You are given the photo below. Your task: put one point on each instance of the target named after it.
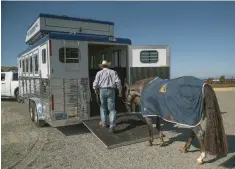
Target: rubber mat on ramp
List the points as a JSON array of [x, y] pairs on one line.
[[129, 130]]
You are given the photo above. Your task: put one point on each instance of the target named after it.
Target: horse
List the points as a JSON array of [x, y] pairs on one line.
[[211, 136]]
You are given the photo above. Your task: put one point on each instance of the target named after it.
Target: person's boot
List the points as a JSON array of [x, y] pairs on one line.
[[102, 124], [112, 129]]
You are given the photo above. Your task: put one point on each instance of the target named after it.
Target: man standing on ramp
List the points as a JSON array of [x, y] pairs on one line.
[[106, 81]]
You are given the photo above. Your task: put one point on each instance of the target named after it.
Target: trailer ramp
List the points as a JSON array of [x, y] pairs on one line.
[[129, 130]]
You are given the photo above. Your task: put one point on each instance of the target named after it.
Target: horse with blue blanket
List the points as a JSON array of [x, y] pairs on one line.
[[186, 101]]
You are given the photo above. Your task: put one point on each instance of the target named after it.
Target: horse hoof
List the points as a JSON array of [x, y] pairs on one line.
[[199, 162], [185, 150], [162, 144], [150, 144]]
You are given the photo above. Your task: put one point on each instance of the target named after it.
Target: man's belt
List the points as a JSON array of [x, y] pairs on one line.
[[108, 88]]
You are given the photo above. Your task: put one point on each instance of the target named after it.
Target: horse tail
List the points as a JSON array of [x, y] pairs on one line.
[[215, 137]]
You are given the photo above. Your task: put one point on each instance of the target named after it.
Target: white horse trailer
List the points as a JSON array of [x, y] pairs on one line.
[[57, 70]]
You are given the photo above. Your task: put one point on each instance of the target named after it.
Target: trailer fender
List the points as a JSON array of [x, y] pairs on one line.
[[39, 107]]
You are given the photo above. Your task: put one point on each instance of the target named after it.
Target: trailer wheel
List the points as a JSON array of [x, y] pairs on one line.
[[38, 123], [32, 109]]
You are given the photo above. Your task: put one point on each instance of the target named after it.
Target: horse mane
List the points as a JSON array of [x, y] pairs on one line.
[[139, 85], [141, 82]]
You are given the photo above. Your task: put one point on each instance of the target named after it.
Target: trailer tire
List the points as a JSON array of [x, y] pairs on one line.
[[37, 122], [32, 109]]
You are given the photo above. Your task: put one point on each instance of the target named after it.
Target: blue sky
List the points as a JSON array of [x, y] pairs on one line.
[[201, 34]]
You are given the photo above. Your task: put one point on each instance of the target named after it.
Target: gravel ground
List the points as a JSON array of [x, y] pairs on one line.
[[26, 146]]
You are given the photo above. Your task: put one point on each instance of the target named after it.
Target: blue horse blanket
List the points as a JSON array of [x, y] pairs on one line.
[[178, 100]]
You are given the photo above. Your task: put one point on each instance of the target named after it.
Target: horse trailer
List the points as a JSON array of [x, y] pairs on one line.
[[57, 70]]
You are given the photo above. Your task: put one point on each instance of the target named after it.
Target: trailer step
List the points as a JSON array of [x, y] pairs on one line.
[[129, 130]]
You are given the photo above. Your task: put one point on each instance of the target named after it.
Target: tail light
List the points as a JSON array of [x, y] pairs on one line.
[[52, 102]]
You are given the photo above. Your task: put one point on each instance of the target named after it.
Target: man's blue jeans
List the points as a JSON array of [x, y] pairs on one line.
[[107, 100]]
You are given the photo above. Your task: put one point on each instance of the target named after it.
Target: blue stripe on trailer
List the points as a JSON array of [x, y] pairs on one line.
[[48, 32], [84, 37], [78, 37]]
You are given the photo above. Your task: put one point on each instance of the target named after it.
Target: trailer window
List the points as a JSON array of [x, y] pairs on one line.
[[149, 56], [23, 64], [72, 55], [3, 76], [44, 56], [27, 65], [20, 63], [31, 65], [15, 77], [36, 63]]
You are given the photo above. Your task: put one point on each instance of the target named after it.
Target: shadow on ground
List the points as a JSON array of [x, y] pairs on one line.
[[230, 163], [185, 134]]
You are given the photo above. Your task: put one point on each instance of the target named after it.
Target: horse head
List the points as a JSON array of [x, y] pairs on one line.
[[131, 94]]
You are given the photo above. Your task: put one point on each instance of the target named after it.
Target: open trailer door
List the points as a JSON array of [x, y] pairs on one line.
[[148, 61]]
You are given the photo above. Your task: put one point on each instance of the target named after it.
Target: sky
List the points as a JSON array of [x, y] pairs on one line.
[[201, 34]]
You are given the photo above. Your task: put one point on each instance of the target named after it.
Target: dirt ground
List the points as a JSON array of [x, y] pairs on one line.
[[225, 89], [26, 146]]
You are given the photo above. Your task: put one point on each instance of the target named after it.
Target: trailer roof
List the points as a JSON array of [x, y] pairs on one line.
[[64, 17], [75, 18], [78, 37]]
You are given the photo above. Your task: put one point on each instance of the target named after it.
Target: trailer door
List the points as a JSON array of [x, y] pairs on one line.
[[69, 82], [148, 61]]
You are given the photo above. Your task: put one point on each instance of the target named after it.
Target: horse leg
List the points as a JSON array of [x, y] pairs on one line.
[[201, 137], [150, 129], [158, 130], [189, 142], [158, 126]]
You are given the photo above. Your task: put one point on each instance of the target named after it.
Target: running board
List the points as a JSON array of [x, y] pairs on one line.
[[129, 130]]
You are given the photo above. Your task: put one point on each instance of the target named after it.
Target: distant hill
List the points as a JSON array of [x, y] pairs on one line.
[[8, 68]]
